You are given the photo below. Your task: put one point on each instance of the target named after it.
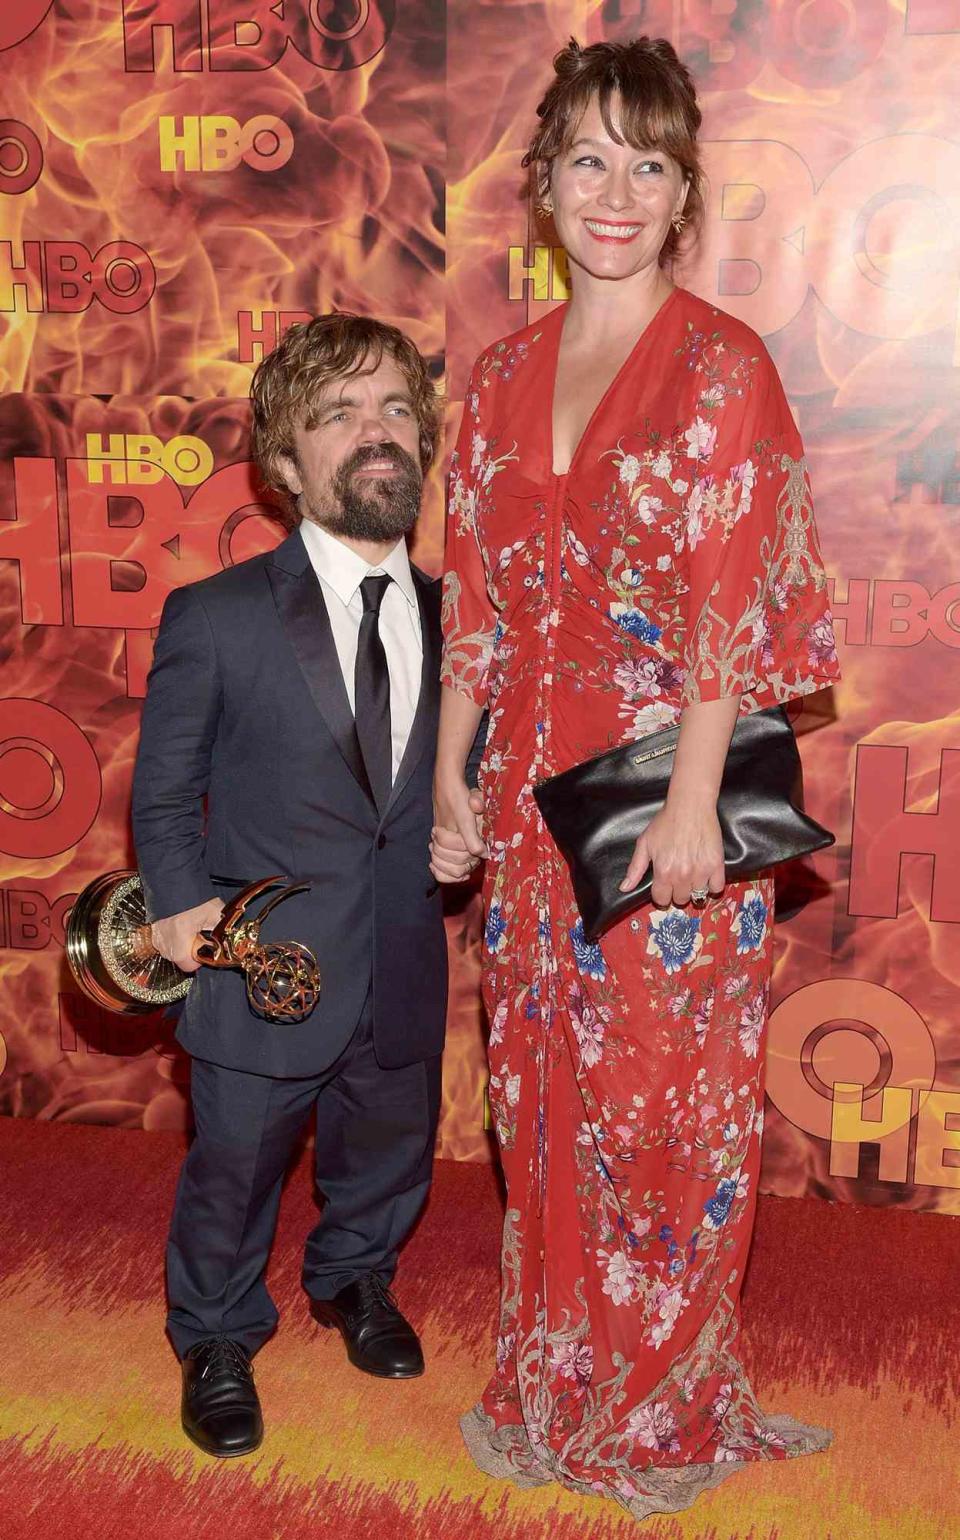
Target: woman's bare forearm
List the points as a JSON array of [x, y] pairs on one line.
[[459, 720], [455, 841], [705, 732]]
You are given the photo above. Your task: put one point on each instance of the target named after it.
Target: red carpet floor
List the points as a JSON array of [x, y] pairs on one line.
[[851, 1320]]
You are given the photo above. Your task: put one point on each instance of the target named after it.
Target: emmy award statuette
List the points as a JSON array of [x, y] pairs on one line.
[[115, 963]]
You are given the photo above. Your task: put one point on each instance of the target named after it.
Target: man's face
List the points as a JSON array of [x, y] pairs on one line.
[[357, 469]]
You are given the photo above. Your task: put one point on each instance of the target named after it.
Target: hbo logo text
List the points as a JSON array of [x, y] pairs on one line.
[[218, 143]]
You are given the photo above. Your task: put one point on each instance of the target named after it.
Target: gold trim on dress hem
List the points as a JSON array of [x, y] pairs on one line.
[[506, 1454]]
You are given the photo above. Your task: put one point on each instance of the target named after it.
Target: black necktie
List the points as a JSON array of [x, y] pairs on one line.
[[372, 693]]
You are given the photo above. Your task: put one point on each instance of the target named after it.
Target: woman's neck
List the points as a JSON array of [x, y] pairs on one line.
[[605, 308]]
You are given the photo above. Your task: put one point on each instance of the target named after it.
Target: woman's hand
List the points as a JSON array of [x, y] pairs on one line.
[[456, 846], [684, 845]]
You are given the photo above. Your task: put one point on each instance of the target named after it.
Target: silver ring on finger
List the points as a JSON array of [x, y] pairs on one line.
[[699, 896]]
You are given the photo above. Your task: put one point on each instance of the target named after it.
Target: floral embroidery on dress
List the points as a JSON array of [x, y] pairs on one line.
[[588, 956], [674, 936], [750, 922]]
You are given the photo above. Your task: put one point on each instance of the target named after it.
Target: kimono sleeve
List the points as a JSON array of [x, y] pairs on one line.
[[469, 617], [757, 621]]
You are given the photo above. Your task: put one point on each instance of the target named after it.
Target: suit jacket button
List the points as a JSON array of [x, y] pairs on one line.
[[381, 841]]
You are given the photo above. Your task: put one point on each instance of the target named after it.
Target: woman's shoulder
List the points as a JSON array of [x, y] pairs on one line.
[[512, 356], [707, 326], [733, 377]]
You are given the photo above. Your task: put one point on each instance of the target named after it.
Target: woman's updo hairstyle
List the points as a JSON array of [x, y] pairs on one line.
[[657, 109]]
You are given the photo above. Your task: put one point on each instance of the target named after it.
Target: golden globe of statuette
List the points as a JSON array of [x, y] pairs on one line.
[[113, 959]]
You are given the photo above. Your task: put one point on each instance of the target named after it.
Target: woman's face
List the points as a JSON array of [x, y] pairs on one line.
[[612, 203]]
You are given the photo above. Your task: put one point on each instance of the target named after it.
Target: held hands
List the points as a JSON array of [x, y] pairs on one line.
[[456, 846], [174, 937], [684, 846]]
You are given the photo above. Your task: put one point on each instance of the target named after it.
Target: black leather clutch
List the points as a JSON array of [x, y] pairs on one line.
[[596, 811]]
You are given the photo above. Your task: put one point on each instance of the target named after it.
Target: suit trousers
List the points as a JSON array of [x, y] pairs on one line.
[[375, 1132]]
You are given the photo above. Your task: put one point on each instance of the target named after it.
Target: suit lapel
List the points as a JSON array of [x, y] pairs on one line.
[[303, 613], [424, 728]]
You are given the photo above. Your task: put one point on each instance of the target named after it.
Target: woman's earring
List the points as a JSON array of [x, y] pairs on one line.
[[678, 221], [544, 203]]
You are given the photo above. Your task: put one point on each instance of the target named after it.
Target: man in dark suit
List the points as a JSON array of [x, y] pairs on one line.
[[290, 726]]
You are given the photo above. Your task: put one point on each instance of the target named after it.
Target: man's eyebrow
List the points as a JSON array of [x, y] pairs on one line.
[[327, 403], [331, 403]]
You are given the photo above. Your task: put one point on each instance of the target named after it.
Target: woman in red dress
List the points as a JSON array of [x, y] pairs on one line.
[[631, 544]]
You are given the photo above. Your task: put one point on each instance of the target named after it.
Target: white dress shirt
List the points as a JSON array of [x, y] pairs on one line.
[[341, 571]]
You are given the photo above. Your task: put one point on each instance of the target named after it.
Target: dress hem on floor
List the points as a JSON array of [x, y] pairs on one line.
[[506, 1454]]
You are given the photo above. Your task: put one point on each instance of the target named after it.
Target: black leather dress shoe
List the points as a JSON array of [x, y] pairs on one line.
[[379, 1340], [220, 1410]]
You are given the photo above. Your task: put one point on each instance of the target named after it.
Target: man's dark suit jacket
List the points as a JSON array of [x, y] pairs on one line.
[[246, 707]]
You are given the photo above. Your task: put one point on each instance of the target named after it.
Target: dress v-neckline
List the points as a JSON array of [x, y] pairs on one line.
[[562, 311]]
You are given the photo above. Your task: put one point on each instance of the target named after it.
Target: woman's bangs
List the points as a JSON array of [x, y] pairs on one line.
[[647, 117]]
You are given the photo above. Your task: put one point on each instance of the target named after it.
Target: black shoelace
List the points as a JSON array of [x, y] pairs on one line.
[[221, 1354], [373, 1291]]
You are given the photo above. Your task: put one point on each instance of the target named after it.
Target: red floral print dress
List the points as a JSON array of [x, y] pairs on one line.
[[675, 562]]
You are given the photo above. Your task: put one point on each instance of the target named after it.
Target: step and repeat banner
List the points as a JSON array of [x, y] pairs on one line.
[[180, 180]]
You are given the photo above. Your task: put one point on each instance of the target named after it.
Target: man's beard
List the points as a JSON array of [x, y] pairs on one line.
[[375, 510]]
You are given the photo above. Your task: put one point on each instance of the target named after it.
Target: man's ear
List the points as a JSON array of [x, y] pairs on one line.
[[289, 471]]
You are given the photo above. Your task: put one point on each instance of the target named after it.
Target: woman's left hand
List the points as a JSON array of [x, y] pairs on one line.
[[684, 846]]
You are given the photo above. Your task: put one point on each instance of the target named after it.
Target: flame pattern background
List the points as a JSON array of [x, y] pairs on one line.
[[833, 228]]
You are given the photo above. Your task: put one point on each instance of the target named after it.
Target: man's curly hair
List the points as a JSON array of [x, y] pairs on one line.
[[290, 383]]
